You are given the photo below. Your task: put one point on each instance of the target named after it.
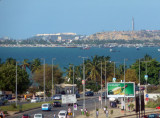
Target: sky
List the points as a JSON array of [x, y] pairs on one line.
[[20, 19]]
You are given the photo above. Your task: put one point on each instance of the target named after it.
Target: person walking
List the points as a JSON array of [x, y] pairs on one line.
[[54, 116], [97, 113], [106, 113], [104, 109]]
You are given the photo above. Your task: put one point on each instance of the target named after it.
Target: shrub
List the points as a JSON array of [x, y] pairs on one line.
[[13, 105], [87, 114], [5, 112], [111, 112], [131, 106]]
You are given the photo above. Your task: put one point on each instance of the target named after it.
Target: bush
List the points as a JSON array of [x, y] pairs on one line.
[[5, 112], [131, 106], [13, 105], [87, 114], [111, 112]]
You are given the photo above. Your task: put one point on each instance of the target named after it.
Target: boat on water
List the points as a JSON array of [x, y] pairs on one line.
[[112, 50], [85, 48], [137, 48], [158, 50]]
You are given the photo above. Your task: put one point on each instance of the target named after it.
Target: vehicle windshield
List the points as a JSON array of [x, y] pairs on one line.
[[25, 115], [45, 105], [152, 116], [38, 115], [62, 114]]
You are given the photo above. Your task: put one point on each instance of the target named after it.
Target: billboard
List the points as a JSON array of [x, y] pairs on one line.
[[70, 98], [117, 89]]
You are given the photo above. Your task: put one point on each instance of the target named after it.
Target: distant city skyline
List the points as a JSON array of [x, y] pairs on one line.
[[22, 19]]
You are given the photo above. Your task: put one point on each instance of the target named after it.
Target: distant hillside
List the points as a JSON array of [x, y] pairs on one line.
[[126, 35]]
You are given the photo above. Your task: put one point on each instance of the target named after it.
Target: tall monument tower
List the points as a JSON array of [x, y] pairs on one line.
[[132, 24]]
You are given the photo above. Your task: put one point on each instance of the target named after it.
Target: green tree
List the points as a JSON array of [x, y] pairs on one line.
[[35, 65], [8, 78], [25, 64], [57, 74], [153, 68], [10, 61]]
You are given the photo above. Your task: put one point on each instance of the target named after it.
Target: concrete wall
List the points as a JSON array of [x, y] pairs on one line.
[[153, 95]]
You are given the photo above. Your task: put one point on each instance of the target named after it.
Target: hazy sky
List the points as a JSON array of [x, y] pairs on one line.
[[26, 18]]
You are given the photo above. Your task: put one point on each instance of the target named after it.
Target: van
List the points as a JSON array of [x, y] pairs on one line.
[[46, 107]]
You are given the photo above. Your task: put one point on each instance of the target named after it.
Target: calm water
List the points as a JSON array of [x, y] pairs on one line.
[[66, 56]]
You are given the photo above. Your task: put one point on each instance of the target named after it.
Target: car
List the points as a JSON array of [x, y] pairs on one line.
[[103, 95], [158, 115], [36, 99], [46, 107], [57, 97], [39, 115], [56, 104], [158, 107], [77, 95], [144, 116], [89, 93], [62, 114], [71, 104], [152, 116], [25, 116]]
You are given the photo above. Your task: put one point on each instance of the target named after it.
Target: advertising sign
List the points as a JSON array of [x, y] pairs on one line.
[[118, 89], [70, 98]]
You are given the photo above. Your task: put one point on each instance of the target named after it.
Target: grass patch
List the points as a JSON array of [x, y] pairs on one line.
[[24, 106]]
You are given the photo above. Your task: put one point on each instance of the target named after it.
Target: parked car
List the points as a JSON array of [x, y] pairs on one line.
[[62, 114], [25, 116], [57, 97], [113, 104], [144, 116], [158, 115], [89, 93], [36, 99], [77, 95], [46, 107], [103, 95], [152, 116], [56, 104], [71, 104], [158, 107], [38, 115]]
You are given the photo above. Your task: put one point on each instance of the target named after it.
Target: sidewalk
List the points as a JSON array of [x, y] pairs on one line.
[[117, 113]]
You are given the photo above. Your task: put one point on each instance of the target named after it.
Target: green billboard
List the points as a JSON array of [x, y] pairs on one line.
[[117, 89]]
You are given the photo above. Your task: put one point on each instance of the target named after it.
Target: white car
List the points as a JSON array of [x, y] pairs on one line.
[[62, 114], [35, 100], [38, 115]]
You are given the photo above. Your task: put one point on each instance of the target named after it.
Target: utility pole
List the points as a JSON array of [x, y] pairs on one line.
[[52, 77], [44, 99], [16, 83], [101, 84], [84, 82], [139, 89]]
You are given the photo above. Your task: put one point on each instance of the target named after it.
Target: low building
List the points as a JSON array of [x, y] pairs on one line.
[[65, 88]]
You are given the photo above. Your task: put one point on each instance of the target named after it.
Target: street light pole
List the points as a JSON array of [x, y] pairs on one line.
[[84, 82], [44, 79], [52, 77], [16, 83], [139, 89], [105, 84], [73, 88], [101, 84]]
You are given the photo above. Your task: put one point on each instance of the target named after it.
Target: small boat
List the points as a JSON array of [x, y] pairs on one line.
[[158, 50]]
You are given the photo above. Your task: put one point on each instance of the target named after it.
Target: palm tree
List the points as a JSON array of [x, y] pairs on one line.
[[35, 65], [25, 64], [10, 61]]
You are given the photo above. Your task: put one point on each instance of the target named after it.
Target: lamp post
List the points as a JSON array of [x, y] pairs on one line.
[[52, 76], [124, 83], [139, 89], [83, 81], [44, 99], [73, 88], [101, 84], [16, 83]]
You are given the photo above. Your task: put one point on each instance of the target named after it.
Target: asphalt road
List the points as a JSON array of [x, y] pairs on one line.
[[90, 105]]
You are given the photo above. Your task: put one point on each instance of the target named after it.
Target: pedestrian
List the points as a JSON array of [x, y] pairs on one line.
[[129, 107], [82, 113], [104, 109], [54, 116], [106, 113], [97, 113]]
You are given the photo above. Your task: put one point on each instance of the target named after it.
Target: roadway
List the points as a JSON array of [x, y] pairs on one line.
[[90, 105]]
